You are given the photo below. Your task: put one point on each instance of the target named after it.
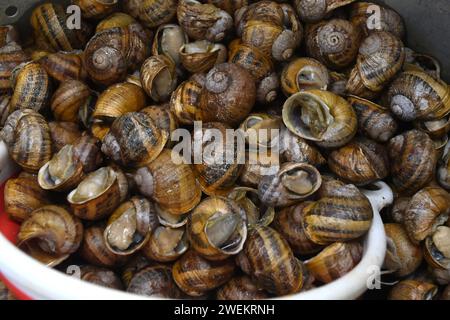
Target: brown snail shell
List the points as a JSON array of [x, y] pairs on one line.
[[5, 109], [334, 43], [427, 210], [443, 171], [374, 122], [166, 244], [348, 209], [399, 208], [402, 255], [304, 74], [196, 276], [259, 65], [101, 277], [11, 56], [422, 62], [170, 183], [112, 52], [8, 34], [164, 119], [152, 13], [381, 56], [169, 40], [158, 77], [50, 235], [288, 222], [413, 290], [437, 129], [361, 162], [437, 248], [320, 116], [133, 265], [96, 9], [335, 261], [316, 10], [71, 96], [292, 184], [389, 19], [231, 83], [94, 250], [413, 161], [258, 164], [117, 19], [172, 221], [63, 133], [230, 6], [52, 32], [32, 87], [19, 127], [416, 95], [271, 27], [241, 288], [134, 140], [99, 194], [203, 21], [261, 130], [269, 261], [63, 172], [217, 228], [22, 196], [130, 226], [201, 56], [155, 281], [64, 65]]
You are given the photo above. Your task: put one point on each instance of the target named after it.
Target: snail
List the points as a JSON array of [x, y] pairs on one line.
[[169, 41], [334, 43], [258, 164], [70, 97], [96, 9], [50, 235], [422, 62], [203, 20], [381, 56], [292, 184], [402, 255], [217, 228], [271, 27], [152, 13], [316, 10], [412, 160], [261, 130], [8, 34], [269, 261], [195, 275], [19, 127], [320, 116], [413, 290], [100, 276], [99, 193], [158, 77], [230, 6], [11, 56], [5, 108], [63, 66], [130, 226], [167, 173], [117, 19], [167, 243], [437, 248], [443, 171], [164, 119], [241, 288], [200, 56], [63, 133]]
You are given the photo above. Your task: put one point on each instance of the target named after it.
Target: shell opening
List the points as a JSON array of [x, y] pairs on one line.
[[122, 232], [59, 169], [170, 241], [93, 185], [299, 182], [223, 231]]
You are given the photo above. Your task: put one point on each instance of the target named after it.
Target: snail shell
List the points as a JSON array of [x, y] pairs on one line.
[[5, 109], [11, 56], [170, 182], [155, 281], [437, 248], [288, 223], [402, 255], [261, 130], [241, 288], [342, 213], [50, 235], [334, 43], [64, 65], [133, 265], [201, 56], [230, 6], [99, 194], [94, 250], [231, 83], [258, 164], [360, 162], [101, 276], [196, 275], [293, 183], [320, 116], [112, 52], [374, 122], [51, 30], [169, 41], [443, 171], [32, 87], [8, 34], [96, 9], [427, 210], [69, 99], [269, 261], [203, 21], [19, 127], [185, 100], [381, 56], [413, 161], [117, 19], [63, 133], [22, 196], [152, 13], [422, 62], [166, 244], [134, 140], [158, 77], [164, 119], [130, 226], [413, 290], [416, 95], [304, 74], [335, 261], [217, 228], [316, 10]]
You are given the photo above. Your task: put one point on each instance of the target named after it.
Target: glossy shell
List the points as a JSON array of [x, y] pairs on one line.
[[64, 65], [96, 9], [155, 281], [316, 10], [201, 56], [152, 13], [69, 99], [158, 77], [413, 290], [169, 41], [241, 288]]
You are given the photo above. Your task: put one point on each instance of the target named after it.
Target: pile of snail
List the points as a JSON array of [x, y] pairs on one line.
[[88, 115]]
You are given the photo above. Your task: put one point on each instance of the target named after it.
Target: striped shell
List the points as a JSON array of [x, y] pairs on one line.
[[316, 10], [241, 288], [64, 65], [413, 290], [152, 13], [185, 100], [67, 101], [96, 9], [154, 281], [11, 55]]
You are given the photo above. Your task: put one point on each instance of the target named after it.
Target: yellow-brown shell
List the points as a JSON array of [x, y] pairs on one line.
[[316, 10], [96, 9], [413, 290], [68, 99], [169, 39], [11, 56], [241, 288], [152, 13], [117, 19], [158, 77], [63, 133], [64, 65], [201, 56], [166, 244]]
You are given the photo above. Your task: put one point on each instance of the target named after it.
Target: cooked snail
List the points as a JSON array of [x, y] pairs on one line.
[[158, 77], [166, 244], [201, 56], [437, 248], [169, 41]]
